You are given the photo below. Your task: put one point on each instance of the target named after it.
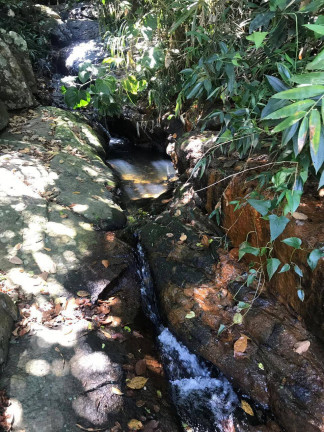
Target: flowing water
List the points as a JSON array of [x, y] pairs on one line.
[[144, 174], [203, 401]]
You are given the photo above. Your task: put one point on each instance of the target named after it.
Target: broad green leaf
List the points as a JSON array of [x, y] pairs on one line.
[[301, 294], [289, 133], [290, 109], [302, 135], [183, 18], [276, 84], [298, 270], [293, 200], [257, 38], [71, 97], [294, 242], [318, 158], [272, 266], [261, 20], [289, 121], [238, 318], [242, 305], [321, 182], [304, 92], [316, 28], [284, 71], [285, 268], [317, 63], [314, 257], [272, 106], [245, 247], [309, 78], [313, 6], [277, 225], [260, 205], [315, 129]]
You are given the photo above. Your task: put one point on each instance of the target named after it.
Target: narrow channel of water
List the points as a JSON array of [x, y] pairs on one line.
[[203, 402]]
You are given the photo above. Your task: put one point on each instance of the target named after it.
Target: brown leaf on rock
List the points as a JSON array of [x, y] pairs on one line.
[[15, 260], [18, 246], [140, 367], [89, 429], [299, 216], [138, 334], [44, 275], [116, 391], [205, 241], [83, 293], [247, 407], [105, 263], [135, 425], [137, 383], [240, 345], [140, 403], [301, 347]]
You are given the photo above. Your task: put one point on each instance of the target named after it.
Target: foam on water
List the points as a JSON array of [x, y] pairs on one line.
[[202, 401]]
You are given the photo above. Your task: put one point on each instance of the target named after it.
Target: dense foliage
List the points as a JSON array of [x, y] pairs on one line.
[[255, 67]]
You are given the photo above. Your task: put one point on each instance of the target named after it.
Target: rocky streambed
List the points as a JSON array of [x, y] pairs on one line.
[[118, 308]]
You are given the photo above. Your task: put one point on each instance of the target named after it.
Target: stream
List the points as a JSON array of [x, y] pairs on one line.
[[204, 399]]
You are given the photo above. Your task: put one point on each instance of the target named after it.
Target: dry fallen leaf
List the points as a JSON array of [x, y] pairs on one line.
[[106, 334], [76, 192], [83, 293], [89, 429], [48, 249], [247, 408], [116, 391], [135, 425], [137, 383], [241, 344], [177, 213], [190, 315], [183, 237], [205, 241], [105, 263], [169, 235], [15, 260], [299, 216], [138, 334], [44, 275], [301, 347], [18, 246]]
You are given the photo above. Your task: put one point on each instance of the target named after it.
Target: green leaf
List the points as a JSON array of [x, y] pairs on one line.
[[290, 109], [246, 248], [293, 200], [183, 18], [315, 28], [314, 257], [272, 266], [321, 182], [277, 225], [317, 63], [285, 268], [276, 83], [71, 97], [242, 305], [289, 121], [238, 318], [318, 158], [315, 129], [257, 38], [298, 270], [309, 78], [301, 294], [221, 329], [302, 135], [260, 205], [294, 242], [304, 92]]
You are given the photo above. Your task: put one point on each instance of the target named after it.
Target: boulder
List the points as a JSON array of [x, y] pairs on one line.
[[50, 23], [201, 288], [8, 314], [16, 75], [4, 117], [83, 30]]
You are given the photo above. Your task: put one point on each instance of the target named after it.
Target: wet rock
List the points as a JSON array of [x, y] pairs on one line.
[[8, 314], [83, 30], [16, 75], [50, 23], [198, 295], [84, 10], [310, 231], [69, 59], [4, 117]]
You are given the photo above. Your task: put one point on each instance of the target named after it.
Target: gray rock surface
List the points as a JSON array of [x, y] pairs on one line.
[[16, 74], [4, 117], [83, 29], [51, 24], [8, 314]]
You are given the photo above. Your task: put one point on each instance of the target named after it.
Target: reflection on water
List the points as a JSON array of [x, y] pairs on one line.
[[144, 174]]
